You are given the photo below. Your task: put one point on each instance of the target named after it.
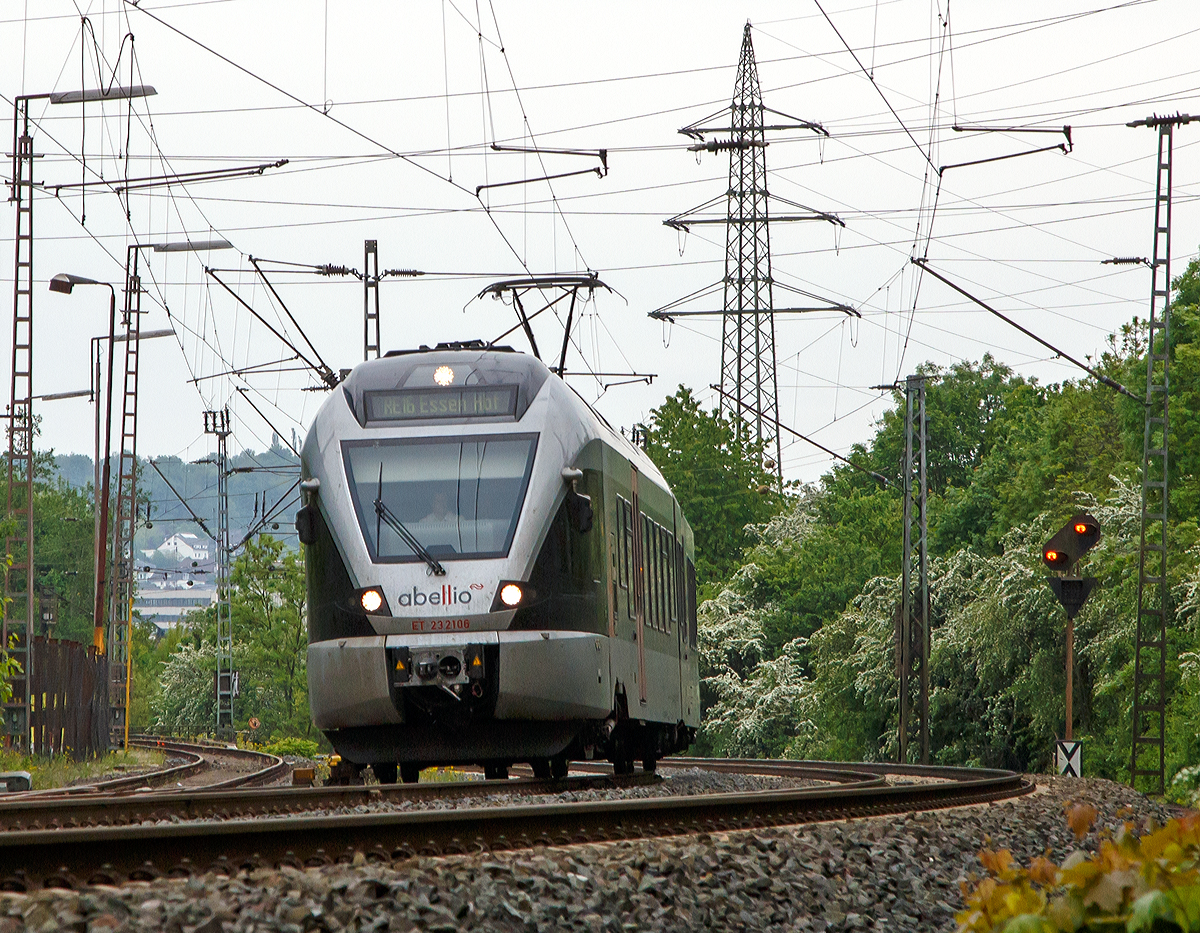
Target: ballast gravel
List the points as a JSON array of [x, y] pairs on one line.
[[685, 782], [888, 873]]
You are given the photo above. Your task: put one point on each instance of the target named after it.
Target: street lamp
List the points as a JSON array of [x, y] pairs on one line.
[[63, 283]]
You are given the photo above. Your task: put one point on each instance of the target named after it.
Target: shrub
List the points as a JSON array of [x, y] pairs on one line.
[[296, 747], [1147, 883]]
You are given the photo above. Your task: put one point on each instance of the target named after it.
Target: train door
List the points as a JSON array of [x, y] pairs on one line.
[[637, 589]]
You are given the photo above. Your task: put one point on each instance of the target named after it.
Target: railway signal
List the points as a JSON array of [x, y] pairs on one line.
[[1061, 553], [1071, 542]]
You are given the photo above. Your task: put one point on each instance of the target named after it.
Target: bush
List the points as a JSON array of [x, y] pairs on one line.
[[1132, 884], [297, 748]]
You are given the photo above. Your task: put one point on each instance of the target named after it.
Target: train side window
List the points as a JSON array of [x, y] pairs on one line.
[[648, 569], [680, 588], [629, 545], [664, 577], [648, 560], [631, 568], [691, 604], [672, 581], [657, 578], [622, 581]]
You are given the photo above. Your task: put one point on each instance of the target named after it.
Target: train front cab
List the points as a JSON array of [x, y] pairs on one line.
[[616, 598]]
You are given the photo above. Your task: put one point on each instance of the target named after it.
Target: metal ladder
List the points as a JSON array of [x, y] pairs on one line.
[[1148, 753], [17, 627], [124, 571]]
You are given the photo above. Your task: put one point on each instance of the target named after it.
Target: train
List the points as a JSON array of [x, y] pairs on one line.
[[480, 542]]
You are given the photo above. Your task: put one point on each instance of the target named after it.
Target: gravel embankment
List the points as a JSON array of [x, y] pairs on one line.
[[890, 873], [682, 783]]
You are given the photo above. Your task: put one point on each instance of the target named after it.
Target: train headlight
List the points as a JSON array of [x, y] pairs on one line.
[[513, 594], [371, 600], [443, 375]]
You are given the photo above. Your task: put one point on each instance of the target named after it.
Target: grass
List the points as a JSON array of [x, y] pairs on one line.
[[428, 775], [447, 775], [62, 770]]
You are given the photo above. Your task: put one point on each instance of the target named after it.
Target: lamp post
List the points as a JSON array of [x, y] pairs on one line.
[[64, 282]]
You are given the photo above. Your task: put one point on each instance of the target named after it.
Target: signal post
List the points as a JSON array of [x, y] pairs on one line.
[[1061, 553]]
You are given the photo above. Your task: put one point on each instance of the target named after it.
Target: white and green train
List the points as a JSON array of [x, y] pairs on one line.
[[495, 575]]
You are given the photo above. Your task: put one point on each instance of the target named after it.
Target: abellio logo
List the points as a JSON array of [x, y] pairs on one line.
[[447, 596]]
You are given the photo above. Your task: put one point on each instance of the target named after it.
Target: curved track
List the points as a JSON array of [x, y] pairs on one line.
[[197, 759], [71, 856]]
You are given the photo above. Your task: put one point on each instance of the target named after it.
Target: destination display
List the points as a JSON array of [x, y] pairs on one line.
[[467, 402]]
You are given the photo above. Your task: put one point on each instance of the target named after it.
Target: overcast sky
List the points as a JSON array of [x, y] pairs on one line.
[[386, 112]]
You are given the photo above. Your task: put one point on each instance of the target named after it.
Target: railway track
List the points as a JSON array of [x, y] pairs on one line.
[[197, 759], [228, 831]]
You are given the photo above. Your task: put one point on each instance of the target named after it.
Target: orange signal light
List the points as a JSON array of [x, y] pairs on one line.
[[1052, 556], [1081, 528]]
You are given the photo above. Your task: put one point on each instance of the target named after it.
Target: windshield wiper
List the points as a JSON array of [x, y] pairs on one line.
[[384, 514]]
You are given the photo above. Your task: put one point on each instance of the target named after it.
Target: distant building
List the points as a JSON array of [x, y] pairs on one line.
[[166, 607], [183, 545]]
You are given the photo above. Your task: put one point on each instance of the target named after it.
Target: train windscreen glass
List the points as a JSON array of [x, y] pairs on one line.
[[456, 497]]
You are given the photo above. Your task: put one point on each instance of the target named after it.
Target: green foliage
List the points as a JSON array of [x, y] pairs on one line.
[[296, 747], [149, 653], [268, 619], [1131, 884], [798, 642], [9, 667], [269, 650], [64, 536], [186, 702], [716, 475]]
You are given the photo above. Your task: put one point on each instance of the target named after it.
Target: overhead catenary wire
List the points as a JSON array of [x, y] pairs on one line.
[[883, 480], [1095, 374], [928, 335]]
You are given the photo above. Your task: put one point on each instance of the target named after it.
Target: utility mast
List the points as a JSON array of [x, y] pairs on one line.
[[1148, 754], [748, 328], [17, 629], [749, 383], [217, 423], [370, 299], [123, 574], [914, 650]]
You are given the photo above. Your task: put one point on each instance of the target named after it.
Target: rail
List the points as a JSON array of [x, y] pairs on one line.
[[72, 856]]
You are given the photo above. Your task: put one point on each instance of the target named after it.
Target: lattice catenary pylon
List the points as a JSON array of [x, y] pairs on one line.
[[749, 384]]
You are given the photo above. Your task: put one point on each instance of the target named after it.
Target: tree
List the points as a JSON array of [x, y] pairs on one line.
[[270, 642], [268, 616], [64, 536], [717, 475], [798, 647]]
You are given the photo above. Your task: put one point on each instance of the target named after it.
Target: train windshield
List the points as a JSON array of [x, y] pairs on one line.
[[455, 497]]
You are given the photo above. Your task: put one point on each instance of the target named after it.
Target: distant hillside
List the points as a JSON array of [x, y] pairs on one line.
[[257, 484]]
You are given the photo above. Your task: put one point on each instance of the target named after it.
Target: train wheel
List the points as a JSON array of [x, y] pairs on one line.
[[541, 769], [409, 773], [385, 772], [559, 767], [343, 774], [495, 772]]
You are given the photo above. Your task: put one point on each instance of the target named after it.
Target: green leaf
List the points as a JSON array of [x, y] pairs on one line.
[[1029, 923], [1152, 906]]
